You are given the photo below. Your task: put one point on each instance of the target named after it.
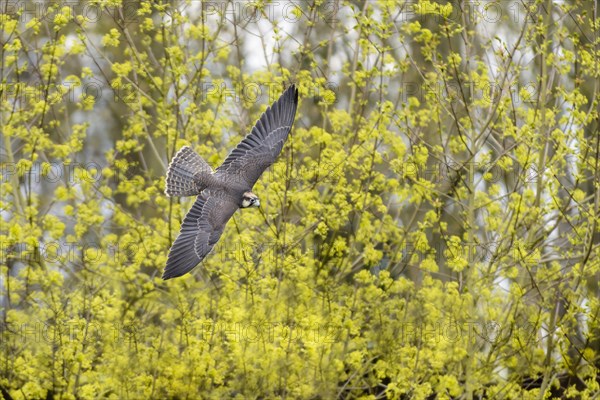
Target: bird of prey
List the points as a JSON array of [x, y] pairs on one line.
[[221, 192]]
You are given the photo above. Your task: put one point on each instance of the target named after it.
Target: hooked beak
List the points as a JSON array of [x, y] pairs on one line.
[[257, 203]]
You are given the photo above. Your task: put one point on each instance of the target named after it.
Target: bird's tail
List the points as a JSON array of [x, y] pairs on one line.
[[188, 174]]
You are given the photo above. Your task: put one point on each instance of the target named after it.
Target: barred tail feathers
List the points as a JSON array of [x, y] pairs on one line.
[[187, 174]]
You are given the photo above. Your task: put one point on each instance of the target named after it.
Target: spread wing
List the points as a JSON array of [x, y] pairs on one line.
[[200, 231], [258, 150]]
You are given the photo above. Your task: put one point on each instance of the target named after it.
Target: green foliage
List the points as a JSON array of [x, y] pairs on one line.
[[430, 229]]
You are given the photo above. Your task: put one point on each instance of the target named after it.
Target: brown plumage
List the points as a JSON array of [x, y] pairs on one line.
[[222, 192]]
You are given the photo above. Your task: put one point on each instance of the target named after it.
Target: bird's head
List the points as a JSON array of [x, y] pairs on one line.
[[249, 199]]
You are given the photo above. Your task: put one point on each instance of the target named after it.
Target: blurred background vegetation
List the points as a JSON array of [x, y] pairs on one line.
[[430, 229]]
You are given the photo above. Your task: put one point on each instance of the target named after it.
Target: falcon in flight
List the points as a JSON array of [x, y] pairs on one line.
[[221, 192]]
